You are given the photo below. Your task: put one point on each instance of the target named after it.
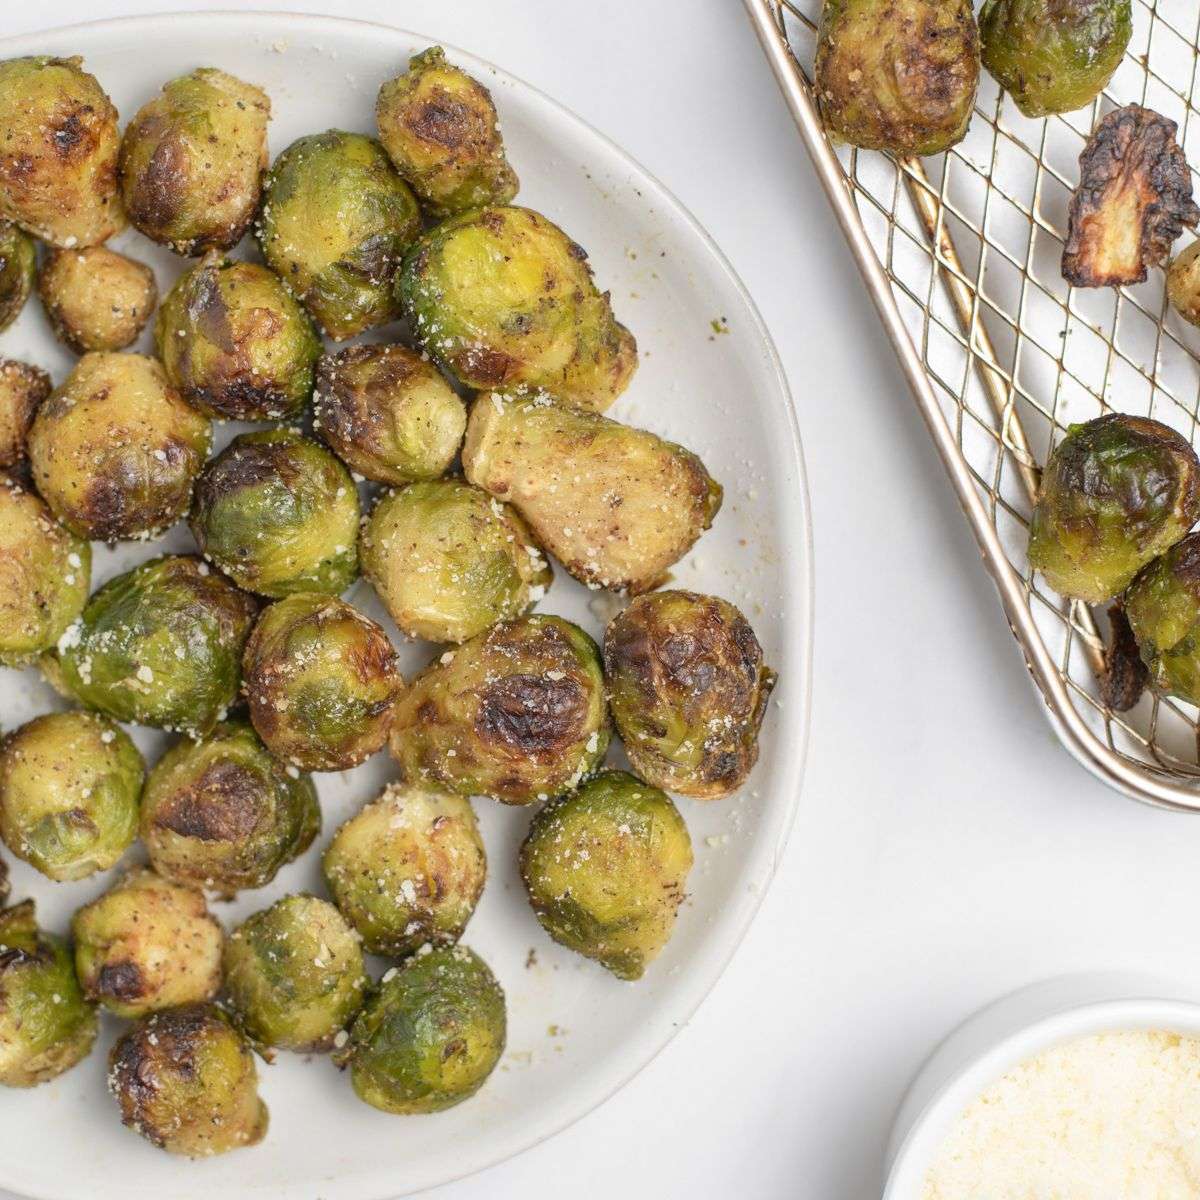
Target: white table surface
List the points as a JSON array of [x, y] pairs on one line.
[[947, 850]]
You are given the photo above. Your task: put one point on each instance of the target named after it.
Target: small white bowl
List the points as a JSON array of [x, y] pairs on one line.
[[1018, 1027]]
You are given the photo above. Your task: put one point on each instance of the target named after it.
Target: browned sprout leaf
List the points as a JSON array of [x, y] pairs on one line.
[[1125, 675]]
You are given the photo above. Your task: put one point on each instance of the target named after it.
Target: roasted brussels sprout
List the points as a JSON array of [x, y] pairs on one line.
[[408, 869], [114, 450], [45, 571], [448, 561], [617, 506], [1163, 608], [516, 713], [192, 161], [440, 129], [224, 814], [1116, 493], [147, 944], [185, 1080], [160, 645], [236, 343], [430, 1036], [18, 268], [388, 413], [5, 886], [605, 870], [1183, 283], [899, 76], [95, 298], [58, 171], [46, 1026], [322, 681], [278, 514], [502, 298], [294, 974], [22, 388], [336, 222]]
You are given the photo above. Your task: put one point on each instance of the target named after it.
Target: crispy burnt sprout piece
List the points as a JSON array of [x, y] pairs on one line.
[[1125, 675], [22, 388], [18, 269], [1117, 492], [1163, 608], [1133, 200], [95, 298]]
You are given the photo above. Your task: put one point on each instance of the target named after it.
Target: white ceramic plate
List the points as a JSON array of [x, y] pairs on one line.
[[575, 1033]]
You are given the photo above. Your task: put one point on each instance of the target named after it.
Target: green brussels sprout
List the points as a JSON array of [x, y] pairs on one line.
[[18, 268], [147, 944], [388, 413], [69, 789], [502, 298], [225, 814], [58, 172], [278, 514], [294, 974], [440, 129], [517, 713], [605, 870], [448, 561], [22, 388], [185, 1080], [236, 342], [1117, 492], [160, 645], [430, 1035], [192, 161], [114, 450], [45, 571], [1183, 283], [617, 506], [95, 298], [1054, 56], [322, 682], [688, 689], [408, 869], [335, 224]]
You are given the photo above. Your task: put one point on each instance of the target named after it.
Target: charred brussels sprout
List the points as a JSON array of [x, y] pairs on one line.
[[236, 343], [278, 514], [516, 713], [192, 161], [185, 1080], [448, 561], [294, 974], [22, 388], [1116, 493], [322, 681], [1163, 608], [58, 172], [388, 413], [502, 298], [408, 869], [160, 645], [617, 506], [114, 450], [336, 222], [69, 789], [95, 298], [18, 268], [430, 1036], [147, 944], [46, 1026], [225, 814], [605, 870], [440, 128]]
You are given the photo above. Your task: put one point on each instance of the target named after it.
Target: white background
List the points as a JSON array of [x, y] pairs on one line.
[[946, 850]]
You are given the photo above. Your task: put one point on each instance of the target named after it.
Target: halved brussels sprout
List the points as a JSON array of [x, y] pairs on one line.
[[408, 869], [192, 161], [430, 1035], [114, 450], [517, 713], [236, 343], [502, 298], [18, 269], [58, 172], [294, 974], [605, 870], [448, 561], [336, 222], [147, 944], [223, 813], [185, 1080], [22, 388], [322, 681], [95, 298], [1163, 608], [160, 645], [278, 514]]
